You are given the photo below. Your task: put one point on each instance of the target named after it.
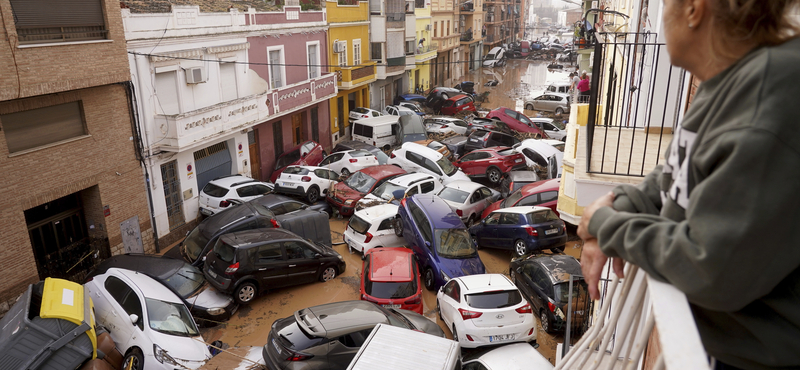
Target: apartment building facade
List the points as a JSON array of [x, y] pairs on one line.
[[392, 33], [425, 51]]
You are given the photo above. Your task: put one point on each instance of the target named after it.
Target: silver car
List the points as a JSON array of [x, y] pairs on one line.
[[550, 102], [468, 199]]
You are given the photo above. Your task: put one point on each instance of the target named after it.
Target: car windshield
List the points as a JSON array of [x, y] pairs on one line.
[[224, 251], [186, 281], [435, 145], [542, 216], [447, 166], [360, 182], [516, 185], [579, 292], [413, 107], [386, 190], [489, 56], [359, 225], [170, 318], [264, 211], [382, 157], [391, 289], [294, 170], [454, 243], [360, 110], [214, 190], [287, 159], [194, 243], [512, 199], [558, 124], [495, 299], [454, 195]]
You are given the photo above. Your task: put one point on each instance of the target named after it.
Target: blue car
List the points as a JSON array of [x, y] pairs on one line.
[[438, 238], [523, 229], [414, 98]]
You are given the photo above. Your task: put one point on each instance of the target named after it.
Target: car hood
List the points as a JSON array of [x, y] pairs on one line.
[[422, 323], [209, 297], [462, 266], [342, 191], [458, 175], [191, 352]]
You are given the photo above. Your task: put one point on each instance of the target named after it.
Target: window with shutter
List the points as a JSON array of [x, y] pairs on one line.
[[23, 130], [48, 21]]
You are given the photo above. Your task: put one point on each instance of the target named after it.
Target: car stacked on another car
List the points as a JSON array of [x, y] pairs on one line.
[[306, 154], [541, 193], [247, 263], [413, 157], [438, 95], [445, 125], [484, 310], [522, 229], [347, 193], [541, 153], [468, 199], [437, 146], [516, 121], [438, 238], [354, 145], [216, 196], [409, 184], [488, 124], [558, 103], [491, 163], [515, 180], [391, 279], [350, 161], [328, 336], [458, 104], [372, 228], [480, 139], [359, 113], [306, 181]]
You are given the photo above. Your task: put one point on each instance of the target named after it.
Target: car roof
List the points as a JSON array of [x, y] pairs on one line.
[[382, 171], [412, 96], [380, 211], [147, 286], [390, 264], [244, 238], [438, 211], [515, 356], [455, 139], [559, 266], [562, 95], [540, 119], [157, 266], [457, 97], [540, 186], [216, 222], [464, 185], [310, 168], [523, 210], [338, 318], [443, 118], [424, 150], [523, 175], [380, 120], [485, 282], [232, 180], [544, 148], [408, 178]]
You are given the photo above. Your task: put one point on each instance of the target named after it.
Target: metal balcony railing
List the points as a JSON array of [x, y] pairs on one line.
[[395, 17], [633, 104], [466, 36]]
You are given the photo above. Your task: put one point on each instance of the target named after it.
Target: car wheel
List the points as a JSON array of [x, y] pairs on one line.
[[445, 96], [520, 248], [558, 249], [312, 195], [345, 172], [327, 274], [529, 107], [134, 360], [494, 175], [428, 279], [398, 226], [245, 293], [559, 111], [545, 321], [455, 333]]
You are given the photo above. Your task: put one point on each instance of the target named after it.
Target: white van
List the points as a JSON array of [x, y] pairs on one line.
[[494, 57], [393, 348], [380, 131]]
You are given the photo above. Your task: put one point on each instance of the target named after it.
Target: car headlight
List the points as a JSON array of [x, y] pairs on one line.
[[445, 277], [348, 202], [340, 257], [215, 311], [162, 356]]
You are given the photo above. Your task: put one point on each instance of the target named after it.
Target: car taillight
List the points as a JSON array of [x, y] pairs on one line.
[[275, 223], [486, 138], [459, 213], [525, 309], [531, 231], [298, 357], [415, 300], [306, 179], [443, 126], [353, 160], [232, 268], [391, 155], [364, 116], [369, 237], [531, 331], [467, 314], [224, 203], [469, 338], [551, 306]]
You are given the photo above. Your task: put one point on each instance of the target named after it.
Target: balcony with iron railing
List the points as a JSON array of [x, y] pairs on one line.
[[426, 52]]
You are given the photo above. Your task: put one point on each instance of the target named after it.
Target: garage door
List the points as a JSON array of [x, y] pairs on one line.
[[212, 162]]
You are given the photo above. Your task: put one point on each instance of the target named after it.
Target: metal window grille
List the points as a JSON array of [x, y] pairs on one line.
[[172, 194]]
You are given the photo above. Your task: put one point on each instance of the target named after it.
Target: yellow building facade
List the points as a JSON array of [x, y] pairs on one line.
[[348, 56], [426, 51]]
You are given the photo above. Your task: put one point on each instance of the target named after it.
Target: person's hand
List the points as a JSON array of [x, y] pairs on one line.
[[592, 262], [606, 200]]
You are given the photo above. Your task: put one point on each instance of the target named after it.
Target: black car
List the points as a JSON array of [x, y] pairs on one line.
[[255, 214], [485, 139], [456, 145], [281, 204], [514, 180], [206, 304], [544, 281], [247, 263], [346, 145], [438, 95]]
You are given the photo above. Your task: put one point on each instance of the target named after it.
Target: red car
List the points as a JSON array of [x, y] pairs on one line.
[[457, 104], [517, 121], [391, 279], [306, 154], [347, 193], [540, 193], [491, 162]]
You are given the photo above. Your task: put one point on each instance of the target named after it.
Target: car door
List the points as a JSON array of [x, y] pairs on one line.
[[507, 229], [386, 236], [323, 179], [413, 162], [450, 301], [539, 102], [123, 302], [423, 236], [475, 204], [530, 200], [341, 350], [269, 265], [333, 162], [483, 197], [487, 234], [302, 267], [530, 287]]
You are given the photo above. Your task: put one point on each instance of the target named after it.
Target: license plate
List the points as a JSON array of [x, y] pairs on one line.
[[474, 140], [205, 212], [518, 160], [287, 184], [212, 273], [501, 338], [277, 347], [551, 231], [391, 305]]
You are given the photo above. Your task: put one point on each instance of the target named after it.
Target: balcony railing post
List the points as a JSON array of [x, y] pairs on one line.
[[596, 71]]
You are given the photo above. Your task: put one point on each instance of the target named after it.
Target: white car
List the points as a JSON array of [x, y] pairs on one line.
[[446, 125], [359, 113], [485, 309], [543, 154], [515, 356], [413, 157], [413, 106], [555, 143], [399, 110], [216, 194], [147, 321], [372, 228], [553, 129], [350, 161], [306, 181], [409, 184], [468, 199]]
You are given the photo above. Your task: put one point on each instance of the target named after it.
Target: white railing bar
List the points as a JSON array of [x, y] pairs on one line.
[[611, 324], [625, 330], [640, 343], [634, 339]]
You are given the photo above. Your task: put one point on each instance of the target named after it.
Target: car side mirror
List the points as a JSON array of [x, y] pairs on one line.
[[536, 345], [428, 244], [134, 318], [483, 222], [317, 255]]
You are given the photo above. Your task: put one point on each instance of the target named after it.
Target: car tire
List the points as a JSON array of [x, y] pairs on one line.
[[558, 249], [559, 111], [520, 248], [134, 355], [445, 96], [398, 226], [312, 195], [529, 107], [545, 322], [245, 293], [327, 274], [494, 175], [345, 173], [429, 279]]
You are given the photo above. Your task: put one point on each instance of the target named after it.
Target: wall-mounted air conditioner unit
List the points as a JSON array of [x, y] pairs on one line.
[[462, 23], [338, 46], [195, 75], [428, 27]]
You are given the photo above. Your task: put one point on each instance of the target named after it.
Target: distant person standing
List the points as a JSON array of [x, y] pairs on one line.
[[574, 85], [585, 88]]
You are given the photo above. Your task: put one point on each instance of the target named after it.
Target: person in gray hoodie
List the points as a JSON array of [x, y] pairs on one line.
[[717, 218]]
